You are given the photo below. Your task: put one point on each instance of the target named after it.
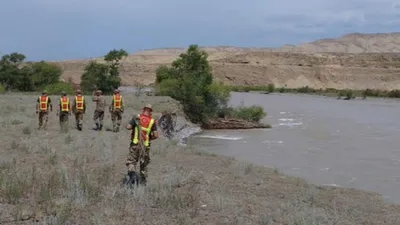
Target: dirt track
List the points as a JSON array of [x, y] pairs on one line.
[[74, 178]]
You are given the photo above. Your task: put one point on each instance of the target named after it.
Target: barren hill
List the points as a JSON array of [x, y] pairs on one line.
[[355, 61]]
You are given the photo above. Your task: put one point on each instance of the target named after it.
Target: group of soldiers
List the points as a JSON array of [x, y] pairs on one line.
[[144, 124], [78, 107]]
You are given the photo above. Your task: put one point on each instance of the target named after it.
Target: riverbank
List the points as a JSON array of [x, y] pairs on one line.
[[345, 93], [75, 178]]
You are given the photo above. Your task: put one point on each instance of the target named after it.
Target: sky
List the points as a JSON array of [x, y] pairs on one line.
[[78, 29]]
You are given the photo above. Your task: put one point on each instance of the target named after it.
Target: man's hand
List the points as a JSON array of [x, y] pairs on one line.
[[37, 112], [57, 114]]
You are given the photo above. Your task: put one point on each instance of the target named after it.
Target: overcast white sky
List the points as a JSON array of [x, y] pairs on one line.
[[73, 29]]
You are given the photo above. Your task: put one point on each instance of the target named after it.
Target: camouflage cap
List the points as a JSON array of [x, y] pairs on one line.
[[148, 106], [99, 91], [78, 91], [116, 90], [44, 92], [63, 93]]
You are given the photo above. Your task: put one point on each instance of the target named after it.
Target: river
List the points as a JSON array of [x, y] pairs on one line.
[[327, 141]]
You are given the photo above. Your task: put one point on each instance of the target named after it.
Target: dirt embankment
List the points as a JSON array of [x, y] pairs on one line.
[[355, 61], [50, 177]]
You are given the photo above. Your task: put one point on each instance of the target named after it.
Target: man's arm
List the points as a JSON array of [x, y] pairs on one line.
[[84, 105], [37, 105], [131, 124], [111, 105], [154, 132], [50, 104], [95, 98], [122, 104]]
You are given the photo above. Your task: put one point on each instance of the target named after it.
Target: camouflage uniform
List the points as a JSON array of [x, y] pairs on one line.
[[98, 115], [116, 114], [43, 114], [63, 115], [135, 150], [78, 113]]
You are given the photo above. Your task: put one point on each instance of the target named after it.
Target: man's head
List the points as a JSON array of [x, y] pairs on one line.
[[44, 92], [98, 92], [147, 110], [63, 93], [78, 92], [116, 91]]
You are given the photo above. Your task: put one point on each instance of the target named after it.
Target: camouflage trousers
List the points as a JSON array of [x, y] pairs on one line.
[[134, 157], [116, 117], [79, 119], [98, 117], [63, 118], [43, 117]]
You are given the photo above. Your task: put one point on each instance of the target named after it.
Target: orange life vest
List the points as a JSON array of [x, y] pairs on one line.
[[146, 123], [44, 100], [64, 101], [117, 101], [79, 99]]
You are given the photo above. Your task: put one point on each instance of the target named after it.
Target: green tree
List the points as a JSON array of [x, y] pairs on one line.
[[189, 80], [104, 76], [45, 74], [14, 75], [113, 58]]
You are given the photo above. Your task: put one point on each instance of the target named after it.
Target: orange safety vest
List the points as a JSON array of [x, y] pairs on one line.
[[146, 123], [44, 100], [117, 101], [64, 101], [79, 99]]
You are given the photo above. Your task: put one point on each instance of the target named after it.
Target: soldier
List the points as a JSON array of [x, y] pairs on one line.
[[42, 108], [116, 109], [79, 108], [100, 107], [141, 147], [64, 109]]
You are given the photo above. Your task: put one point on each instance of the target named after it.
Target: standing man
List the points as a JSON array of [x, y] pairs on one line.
[[98, 115], [79, 108], [140, 145], [116, 109], [42, 108], [64, 109]]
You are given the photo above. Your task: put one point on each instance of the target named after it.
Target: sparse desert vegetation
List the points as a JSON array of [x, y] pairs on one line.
[[74, 177]]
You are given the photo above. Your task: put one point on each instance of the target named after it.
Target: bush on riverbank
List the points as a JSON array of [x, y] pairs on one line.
[[252, 113], [190, 81], [328, 91]]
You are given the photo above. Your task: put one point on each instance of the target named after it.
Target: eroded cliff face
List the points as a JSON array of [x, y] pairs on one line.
[[354, 61]]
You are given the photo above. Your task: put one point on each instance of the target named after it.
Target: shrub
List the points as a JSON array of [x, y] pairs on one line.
[[57, 88], [251, 113], [270, 88]]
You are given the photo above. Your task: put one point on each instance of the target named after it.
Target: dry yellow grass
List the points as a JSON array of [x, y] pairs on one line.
[[355, 61], [74, 177]]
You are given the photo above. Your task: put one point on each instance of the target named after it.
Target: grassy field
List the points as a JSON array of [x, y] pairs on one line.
[[74, 177]]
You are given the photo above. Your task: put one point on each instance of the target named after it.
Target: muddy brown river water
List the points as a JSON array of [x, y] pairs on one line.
[[326, 141]]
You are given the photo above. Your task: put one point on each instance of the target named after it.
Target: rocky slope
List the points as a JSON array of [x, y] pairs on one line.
[[356, 61]]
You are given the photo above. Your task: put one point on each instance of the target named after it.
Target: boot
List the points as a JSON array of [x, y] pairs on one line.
[[97, 127], [101, 127], [143, 179]]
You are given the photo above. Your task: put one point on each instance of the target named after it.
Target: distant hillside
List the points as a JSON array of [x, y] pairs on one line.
[[353, 43], [353, 61]]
